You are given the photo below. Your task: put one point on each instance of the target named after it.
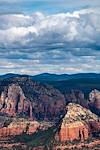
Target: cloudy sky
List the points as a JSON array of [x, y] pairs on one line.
[[55, 36]]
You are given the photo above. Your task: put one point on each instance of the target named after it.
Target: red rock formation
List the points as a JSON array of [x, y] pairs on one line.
[[17, 94], [94, 126], [18, 128], [73, 131], [94, 101], [76, 96], [4, 132], [14, 101], [75, 124], [31, 114]]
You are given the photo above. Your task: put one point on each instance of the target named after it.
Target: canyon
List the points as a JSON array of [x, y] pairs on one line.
[[69, 116], [23, 97], [77, 124]]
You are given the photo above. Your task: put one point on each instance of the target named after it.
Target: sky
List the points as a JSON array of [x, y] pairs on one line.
[[54, 36]]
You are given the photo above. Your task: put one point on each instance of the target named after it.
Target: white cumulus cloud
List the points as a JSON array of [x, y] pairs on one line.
[[42, 41]]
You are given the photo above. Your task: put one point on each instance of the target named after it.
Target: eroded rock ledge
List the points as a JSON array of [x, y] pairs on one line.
[[78, 123], [18, 126]]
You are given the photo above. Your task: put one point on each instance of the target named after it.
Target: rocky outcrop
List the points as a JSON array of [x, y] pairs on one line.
[[75, 124], [94, 101], [89, 100], [76, 112], [94, 126], [24, 97], [74, 131], [13, 101], [18, 126], [75, 96]]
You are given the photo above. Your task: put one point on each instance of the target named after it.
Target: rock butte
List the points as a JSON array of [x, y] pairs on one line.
[[78, 123]]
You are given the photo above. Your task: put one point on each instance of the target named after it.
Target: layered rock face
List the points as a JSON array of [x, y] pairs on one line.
[[75, 124], [18, 126], [94, 101], [22, 96], [72, 131], [76, 96], [94, 126], [13, 101]]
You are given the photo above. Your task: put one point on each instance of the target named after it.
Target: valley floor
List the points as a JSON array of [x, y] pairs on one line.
[[8, 144]]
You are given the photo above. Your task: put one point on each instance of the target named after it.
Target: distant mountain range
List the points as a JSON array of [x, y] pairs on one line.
[[54, 77]]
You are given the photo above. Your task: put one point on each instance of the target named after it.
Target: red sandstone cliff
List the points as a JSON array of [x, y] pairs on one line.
[[74, 131], [13, 101], [94, 101], [18, 126], [24, 97], [75, 124]]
